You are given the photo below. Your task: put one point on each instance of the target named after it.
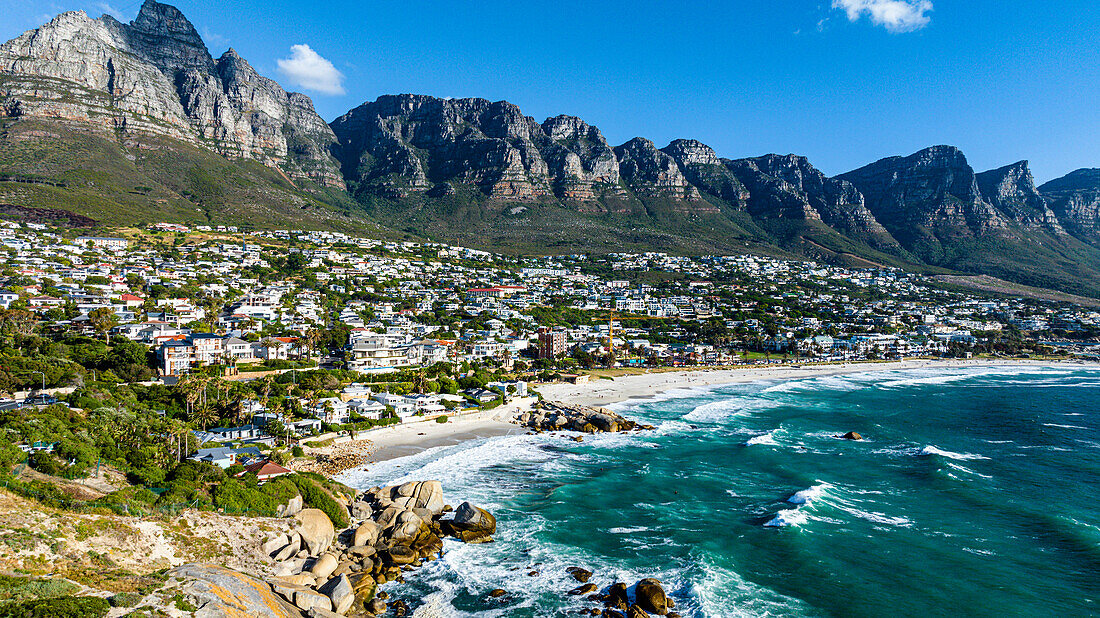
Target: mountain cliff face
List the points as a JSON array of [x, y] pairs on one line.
[[399, 146], [789, 187], [154, 76], [926, 199], [1075, 201], [1011, 190], [178, 132]]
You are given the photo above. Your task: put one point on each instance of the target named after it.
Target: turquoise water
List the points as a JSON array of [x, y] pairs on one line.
[[973, 493]]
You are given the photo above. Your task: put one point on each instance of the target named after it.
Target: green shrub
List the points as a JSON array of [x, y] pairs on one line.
[[314, 496], [441, 419], [64, 607], [297, 451], [124, 599], [23, 589]]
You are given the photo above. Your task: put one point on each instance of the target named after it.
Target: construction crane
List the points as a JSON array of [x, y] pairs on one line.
[[611, 331]]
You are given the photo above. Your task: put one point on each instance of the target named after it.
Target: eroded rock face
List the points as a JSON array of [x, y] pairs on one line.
[[926, 198], [1011, 190], [650, 172], [155, 76], [788, 186], [703, 168], [1075, 200]]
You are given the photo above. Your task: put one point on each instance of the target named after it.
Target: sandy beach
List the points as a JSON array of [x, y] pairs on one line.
[[602, 392], [411, 438]]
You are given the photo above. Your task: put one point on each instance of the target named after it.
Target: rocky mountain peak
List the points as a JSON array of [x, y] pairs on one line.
[[691, 152], [653, 173], [155, 77], [1085, 179], [1075, 201], [1011, 190], [165, 37]]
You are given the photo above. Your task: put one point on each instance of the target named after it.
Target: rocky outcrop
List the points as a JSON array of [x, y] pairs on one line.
[[789, 187], [926, 199], [1011, 190], [582, 165], [219, 592], [651, 173], [393, 530], [702, 168], [1075, 201], [154, 76], [558, 416], [405, 144]]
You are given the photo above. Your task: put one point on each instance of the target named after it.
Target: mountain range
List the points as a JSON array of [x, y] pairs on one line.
[[128, 124]]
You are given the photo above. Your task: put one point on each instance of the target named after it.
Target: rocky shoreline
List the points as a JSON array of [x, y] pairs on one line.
[[558, 416], [322, 571]]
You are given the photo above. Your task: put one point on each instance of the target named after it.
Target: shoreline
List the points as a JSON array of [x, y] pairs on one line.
[[601, 392], [410, 439]]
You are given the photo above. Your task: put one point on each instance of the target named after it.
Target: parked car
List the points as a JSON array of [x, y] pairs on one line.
[[40, 400]]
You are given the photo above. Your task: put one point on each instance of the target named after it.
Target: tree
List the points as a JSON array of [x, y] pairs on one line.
[[103, 320]]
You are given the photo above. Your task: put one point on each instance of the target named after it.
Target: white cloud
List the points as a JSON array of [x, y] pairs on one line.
[[109, 10], [306, 68], [894, 15]]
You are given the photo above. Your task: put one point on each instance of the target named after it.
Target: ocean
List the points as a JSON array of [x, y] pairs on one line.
[[972, 493]]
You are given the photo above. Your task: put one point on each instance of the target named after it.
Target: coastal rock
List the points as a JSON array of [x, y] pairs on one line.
[[579, 574], [274, 544], [851, 435], [291, 508], [324, 567], [366, 534], [290, 550], [651, 596], [553, 416], [617, 596], [308, 599], [316, 530], [472, 524], [224, 593], [584, 589], [341, 593], [635, 611]]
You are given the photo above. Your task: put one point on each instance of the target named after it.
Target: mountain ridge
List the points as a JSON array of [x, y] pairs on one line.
[[485, 173]]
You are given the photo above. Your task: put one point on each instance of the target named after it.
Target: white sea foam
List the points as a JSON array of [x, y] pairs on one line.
[[722, 592], [627, 530], [789, 517], [767, 438], [1064, 426], [809, 495], [930, 450]]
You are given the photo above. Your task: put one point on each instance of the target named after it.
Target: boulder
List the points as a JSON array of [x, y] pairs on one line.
[[301, 579], [429, 495], [579, 574], [362, 551], [617, 596], [308, 599], [316, 530], [290, 550], [651, 596], [324, 567], [289, 567], [634, 611], [286, 589], [291, 508], [317, 612], [399, 555], [377, 607], [361, 510], [224, 592], [585, 589], [496, 593], [851, 435], [366, 534], [341, 593], [274, 544], [472, 524]]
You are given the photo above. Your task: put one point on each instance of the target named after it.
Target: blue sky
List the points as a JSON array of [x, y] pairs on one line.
[[844, 82]]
